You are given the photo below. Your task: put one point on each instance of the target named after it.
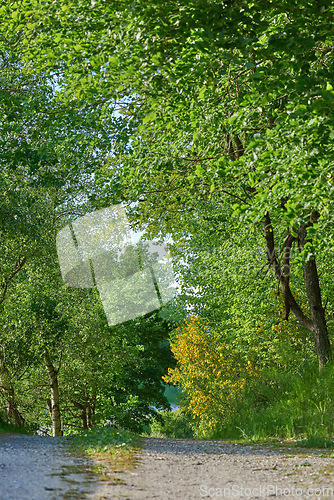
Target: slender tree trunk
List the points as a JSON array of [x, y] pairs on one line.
[[8, 392], [317, 312], [319, 327], [91, 410], [89, 416], [54, 402], [83, 415]]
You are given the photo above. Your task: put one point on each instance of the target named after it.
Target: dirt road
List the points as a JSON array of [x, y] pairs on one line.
[[41, 468]]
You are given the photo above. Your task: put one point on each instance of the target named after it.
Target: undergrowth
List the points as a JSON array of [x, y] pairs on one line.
[[285, 406], [173, 424], [12, 429], [278, 405]]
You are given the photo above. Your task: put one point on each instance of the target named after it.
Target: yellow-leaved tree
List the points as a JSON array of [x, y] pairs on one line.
[[213, 376]]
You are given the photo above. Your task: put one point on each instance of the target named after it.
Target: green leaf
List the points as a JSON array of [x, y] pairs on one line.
[[202, 92], [113, 60], [232, 119], [150, 117]]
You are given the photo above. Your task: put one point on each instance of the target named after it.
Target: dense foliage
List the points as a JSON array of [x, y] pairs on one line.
[[213, 121], [60, 363]]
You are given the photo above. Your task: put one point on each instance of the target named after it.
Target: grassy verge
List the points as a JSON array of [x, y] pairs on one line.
[[111, 451], [284, 406]]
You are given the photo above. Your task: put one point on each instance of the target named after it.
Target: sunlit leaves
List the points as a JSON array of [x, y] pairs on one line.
[[209, 372]]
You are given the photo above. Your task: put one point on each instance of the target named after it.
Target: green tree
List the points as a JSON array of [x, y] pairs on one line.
[[94, 361], [49, 152], [223, 281]]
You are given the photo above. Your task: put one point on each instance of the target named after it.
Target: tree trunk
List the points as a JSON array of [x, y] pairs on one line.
[[319, 325], [91, 410], [8, 392], [87, 410], [317, 321], [54, 402], [84, 417]]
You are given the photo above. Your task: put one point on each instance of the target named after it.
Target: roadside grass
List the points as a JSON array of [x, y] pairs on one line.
[[111, 451], [316, 442], [295, 407], [284, 440]]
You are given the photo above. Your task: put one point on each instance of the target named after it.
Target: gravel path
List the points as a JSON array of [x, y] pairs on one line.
[[194, 469], [41, 468]]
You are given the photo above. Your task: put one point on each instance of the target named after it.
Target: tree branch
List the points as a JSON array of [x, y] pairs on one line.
[[289, 300], [7, 279]]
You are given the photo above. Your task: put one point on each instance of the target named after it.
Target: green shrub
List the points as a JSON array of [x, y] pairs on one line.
[[174, 424]]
